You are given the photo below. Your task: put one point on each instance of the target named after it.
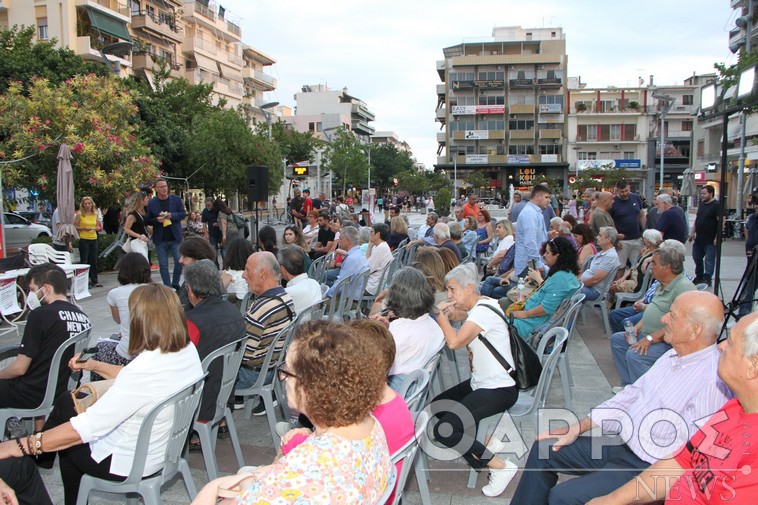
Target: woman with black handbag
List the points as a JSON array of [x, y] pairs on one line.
[[491, 389]]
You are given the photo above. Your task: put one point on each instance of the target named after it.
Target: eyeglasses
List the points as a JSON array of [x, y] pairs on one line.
[[283, 374]]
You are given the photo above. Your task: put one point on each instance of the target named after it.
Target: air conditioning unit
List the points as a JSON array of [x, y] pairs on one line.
[[617, 146], [511, 67], [541, 67], [499, 67]]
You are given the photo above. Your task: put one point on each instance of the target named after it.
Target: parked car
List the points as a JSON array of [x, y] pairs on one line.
[[20, 232], [43, 218]]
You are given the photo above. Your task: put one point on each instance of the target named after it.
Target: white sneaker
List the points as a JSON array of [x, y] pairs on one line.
[[499, 479], [495, 445]]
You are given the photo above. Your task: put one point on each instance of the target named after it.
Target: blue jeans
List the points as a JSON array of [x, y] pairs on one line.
[[598, 476], [163, 249], [246, 377], [705, 252], [491, 287], [590, 294], [617, 317], [631, 365]]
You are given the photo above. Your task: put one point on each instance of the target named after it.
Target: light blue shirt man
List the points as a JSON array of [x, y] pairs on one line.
[[530, 235], [354, 263]]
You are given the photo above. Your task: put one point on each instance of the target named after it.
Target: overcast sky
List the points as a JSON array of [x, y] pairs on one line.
[[385, 52]]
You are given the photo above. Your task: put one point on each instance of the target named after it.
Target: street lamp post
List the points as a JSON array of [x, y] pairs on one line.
[[267, 114], [668, 102]]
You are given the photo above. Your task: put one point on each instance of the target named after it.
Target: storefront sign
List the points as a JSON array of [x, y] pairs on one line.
[[526, 175], [461, 110], [595, 164], [551, 107], [476, 159], [550, 158], [476, 135], [699, 177], [629, 164], [518, 158]]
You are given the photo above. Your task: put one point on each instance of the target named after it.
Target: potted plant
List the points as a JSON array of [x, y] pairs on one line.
[[635, 106], [581, 107]]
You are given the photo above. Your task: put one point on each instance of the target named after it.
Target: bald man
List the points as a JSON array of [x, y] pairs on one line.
[[717, 464], [680, 389], [601, 216]]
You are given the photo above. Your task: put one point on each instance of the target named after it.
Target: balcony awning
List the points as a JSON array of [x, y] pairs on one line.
[[107, 24], [206, 63], [231, 73]]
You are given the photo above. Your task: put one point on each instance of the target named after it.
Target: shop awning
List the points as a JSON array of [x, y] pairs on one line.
[[107, 24]]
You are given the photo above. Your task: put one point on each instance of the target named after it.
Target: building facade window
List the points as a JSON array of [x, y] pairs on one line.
[[491, 76], [687, 99], [492, 100], [551, 149], [520, 124], [582, 155], [629, 155], [521, 149], [586, 132], [615, 131], [551, 99], [686, 126], [42, 29], [516, 99]]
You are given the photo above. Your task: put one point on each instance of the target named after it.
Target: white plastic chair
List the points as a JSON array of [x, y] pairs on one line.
[[529, 402], [78, 342], [230, 356], [569, 322], [185, 405], [39, 253]]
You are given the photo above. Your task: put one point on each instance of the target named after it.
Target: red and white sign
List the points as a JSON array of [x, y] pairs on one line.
[[463, 110], [699, 177]]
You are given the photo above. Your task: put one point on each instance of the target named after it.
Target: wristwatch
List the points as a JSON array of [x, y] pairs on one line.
[[649, 338]]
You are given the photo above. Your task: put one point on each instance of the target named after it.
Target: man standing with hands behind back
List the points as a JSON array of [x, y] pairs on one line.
[[165, 214]]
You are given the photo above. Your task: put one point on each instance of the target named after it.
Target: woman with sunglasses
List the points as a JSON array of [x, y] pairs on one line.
[[560, 257], [347, 455]]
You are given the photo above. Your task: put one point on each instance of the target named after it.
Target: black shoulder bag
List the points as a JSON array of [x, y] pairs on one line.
[[528, 364]]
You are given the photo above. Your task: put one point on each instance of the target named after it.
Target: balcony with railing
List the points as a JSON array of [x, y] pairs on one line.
[[520, 108], [441, 114], [118, 7], [161, 24], [216, 17], [152, 61], [260, 78], [441, 89], [442, 137], [550, 133], [521, 134], [192, 44]]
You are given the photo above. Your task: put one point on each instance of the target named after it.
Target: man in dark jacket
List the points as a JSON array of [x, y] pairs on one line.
[[213, 323], [165, 214]]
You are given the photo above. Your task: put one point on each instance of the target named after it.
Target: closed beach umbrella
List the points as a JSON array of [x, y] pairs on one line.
[[65, 197]]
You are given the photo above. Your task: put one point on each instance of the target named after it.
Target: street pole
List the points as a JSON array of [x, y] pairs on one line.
[[741, 165], [455, 175], [663, 147]]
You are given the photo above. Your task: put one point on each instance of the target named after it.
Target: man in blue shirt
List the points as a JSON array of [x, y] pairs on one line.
[[165, 214], [628, 219], [531, 231], [354, 263], [671, 222]]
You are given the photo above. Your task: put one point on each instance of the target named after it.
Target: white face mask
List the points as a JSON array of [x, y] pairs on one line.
[[33, 300]]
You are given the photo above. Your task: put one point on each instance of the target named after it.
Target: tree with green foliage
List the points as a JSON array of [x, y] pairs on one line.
[[386, 162], [295, 146], [94, 116], [345, 158], [476, 180], [599, 178], [551, 182], [22, 59]]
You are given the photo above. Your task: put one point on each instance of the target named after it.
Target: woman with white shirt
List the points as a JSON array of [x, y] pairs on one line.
[[490, 390], [101, 441], [133, 271], [237, 253], [410, 302]]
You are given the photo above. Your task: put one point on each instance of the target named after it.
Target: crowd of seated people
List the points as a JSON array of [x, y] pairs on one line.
[[674, 368]]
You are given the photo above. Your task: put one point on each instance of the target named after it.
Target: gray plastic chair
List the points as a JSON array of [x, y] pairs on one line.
[[603, 288], [79, 342], [312, 313], [263, 388], [569, 322], [230, 356], [414, 388], [637, 295], [339, 300], [391, 479], [529, 402], [185, 405], [245, 303], [407, 454], [358, 285]]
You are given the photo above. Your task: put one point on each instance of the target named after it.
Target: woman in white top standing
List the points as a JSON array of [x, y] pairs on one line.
[[237, 252], [490, 390], [101, 441]]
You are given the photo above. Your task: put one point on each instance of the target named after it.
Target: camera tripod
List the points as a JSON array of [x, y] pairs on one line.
[[745, 292]]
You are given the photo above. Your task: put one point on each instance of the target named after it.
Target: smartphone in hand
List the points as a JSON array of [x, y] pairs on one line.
[[87, 354], [533, 264]]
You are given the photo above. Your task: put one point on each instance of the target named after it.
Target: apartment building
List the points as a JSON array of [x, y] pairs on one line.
[[391, 138], [84, 26], [196, 39], [256, 83], [620, 127], [212, 49], [320, 110], [501, 108]]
